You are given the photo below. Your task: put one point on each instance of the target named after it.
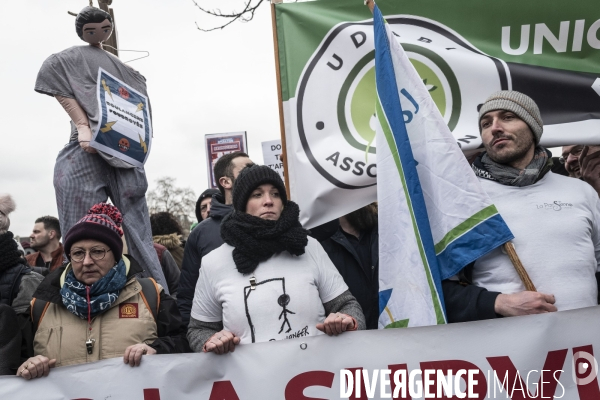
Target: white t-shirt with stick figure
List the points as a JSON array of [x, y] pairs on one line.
[[282, 299]]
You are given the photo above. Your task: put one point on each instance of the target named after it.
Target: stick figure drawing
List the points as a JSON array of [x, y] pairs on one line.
[[276, 289]]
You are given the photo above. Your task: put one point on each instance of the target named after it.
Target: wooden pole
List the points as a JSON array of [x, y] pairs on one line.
[[280, 99], [516, 262], [112, 42]]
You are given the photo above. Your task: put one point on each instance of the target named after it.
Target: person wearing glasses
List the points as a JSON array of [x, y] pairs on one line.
[[95, 307], [583, 162]]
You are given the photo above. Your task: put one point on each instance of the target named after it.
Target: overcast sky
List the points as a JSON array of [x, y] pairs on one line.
[[198, 83]]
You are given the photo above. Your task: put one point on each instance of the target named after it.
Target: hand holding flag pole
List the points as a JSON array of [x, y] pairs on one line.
[[516, 262]]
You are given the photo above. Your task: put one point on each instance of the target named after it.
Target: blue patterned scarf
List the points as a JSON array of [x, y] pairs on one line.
[[103, 293]]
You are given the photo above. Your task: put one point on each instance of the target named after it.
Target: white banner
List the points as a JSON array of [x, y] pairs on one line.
[[549, 355]]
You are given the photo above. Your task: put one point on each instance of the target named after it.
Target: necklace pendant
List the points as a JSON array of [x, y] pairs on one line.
[[252, 283]]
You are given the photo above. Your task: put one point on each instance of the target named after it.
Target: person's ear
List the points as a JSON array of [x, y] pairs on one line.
[[52, 234], [226, 182]]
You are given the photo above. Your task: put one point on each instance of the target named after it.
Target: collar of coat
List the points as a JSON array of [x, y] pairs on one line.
[[49, 289]]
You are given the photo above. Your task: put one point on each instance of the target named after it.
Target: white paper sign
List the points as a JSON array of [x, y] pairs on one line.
[[272, 151]]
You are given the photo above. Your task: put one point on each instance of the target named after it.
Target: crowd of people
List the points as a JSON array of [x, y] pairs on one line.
[[268, 279], [249, 272]]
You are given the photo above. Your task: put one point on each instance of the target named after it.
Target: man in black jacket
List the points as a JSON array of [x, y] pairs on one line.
[[354, 250], [204, 203], [206, 236]]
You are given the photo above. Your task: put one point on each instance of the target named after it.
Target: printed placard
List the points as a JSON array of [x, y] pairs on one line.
[[219, 144], [125, 129]]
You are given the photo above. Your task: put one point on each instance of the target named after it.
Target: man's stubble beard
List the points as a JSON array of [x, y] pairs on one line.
[[39, 245], [524, 141]]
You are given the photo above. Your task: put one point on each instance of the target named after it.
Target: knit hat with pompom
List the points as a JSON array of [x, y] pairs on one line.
[[102, 223]]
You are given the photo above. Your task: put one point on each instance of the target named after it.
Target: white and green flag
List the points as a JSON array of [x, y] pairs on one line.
[[463, 50], [434, 216]]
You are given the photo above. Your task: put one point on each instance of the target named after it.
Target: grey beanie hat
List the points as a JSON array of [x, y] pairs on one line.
[[521, 104]]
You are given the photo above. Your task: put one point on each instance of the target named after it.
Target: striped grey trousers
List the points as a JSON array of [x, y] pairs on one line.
[[82, 180]]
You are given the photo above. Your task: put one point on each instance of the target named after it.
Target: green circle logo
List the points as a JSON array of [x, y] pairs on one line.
[[336, 94], [356, 102]]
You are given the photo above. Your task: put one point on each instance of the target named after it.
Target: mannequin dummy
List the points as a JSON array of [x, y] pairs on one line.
[[84, 176]]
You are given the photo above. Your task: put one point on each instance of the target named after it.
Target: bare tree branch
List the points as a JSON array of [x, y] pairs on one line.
[[166, 197], [245, 15]]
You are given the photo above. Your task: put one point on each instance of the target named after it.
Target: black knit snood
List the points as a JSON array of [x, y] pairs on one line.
[[9, 252], [256, 239]]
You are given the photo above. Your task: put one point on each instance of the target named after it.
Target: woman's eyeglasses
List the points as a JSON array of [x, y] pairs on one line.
[[96, 254]]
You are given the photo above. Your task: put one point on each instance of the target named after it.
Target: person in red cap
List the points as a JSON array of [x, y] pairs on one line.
[[97, 296]]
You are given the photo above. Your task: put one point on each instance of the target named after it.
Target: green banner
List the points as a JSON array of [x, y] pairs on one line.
[[301, 27], [462, 50]]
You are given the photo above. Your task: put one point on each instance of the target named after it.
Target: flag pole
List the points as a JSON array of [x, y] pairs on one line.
[[286, 172], [516, 262]]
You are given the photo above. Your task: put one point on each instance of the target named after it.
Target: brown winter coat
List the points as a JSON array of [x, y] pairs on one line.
[[173, 243], [57, 258], [62, 335]]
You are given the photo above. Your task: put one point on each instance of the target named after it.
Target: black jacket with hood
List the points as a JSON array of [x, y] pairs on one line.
[[205, 237]]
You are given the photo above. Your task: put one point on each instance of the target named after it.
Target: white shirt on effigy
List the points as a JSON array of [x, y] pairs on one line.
[[555, 223], [286, 303]]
